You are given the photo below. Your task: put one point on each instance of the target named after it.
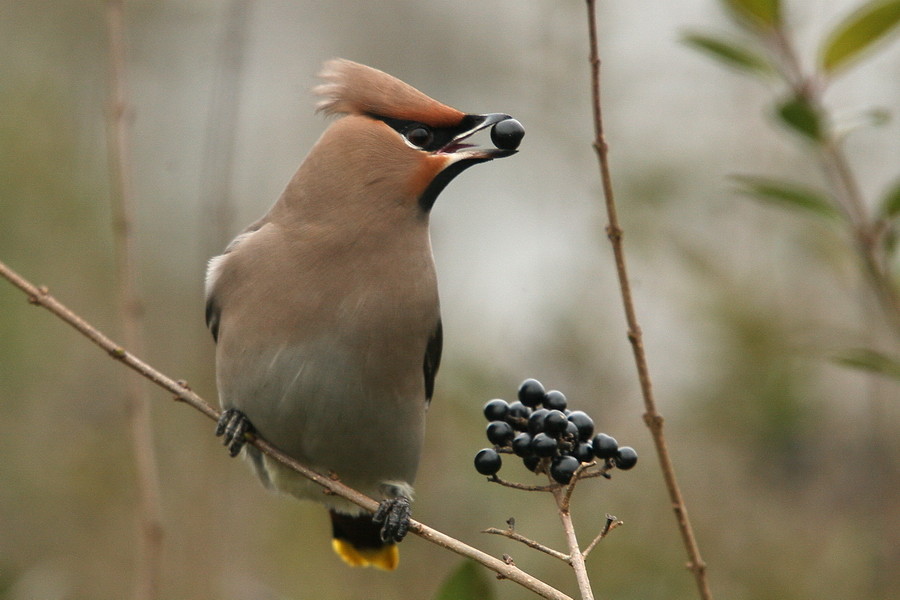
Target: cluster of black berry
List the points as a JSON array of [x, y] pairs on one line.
[[540, 428]]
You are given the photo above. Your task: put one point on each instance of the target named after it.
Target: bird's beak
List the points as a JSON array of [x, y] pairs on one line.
[[476, 123], [455, 156]]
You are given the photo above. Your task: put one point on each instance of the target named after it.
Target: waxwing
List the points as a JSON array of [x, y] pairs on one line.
[[325, 311]]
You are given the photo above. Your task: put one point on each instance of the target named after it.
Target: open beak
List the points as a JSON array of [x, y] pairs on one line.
[[465, 151]]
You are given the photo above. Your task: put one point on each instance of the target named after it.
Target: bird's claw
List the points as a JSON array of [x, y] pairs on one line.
[[393, 515], [233, 427]]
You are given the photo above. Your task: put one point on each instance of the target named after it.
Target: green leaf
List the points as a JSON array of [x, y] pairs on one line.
[[857, 32], [765, 14], [787, 194], [802, 117], [467, 582], [890, 204], [729, 52], [872, 361]]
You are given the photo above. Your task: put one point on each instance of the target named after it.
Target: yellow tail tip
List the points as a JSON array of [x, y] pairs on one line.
[[385, 558]]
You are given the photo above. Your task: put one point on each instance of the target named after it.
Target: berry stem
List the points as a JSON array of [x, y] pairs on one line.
[[576, 557], [602, 471], [523, 486], [579, 473]]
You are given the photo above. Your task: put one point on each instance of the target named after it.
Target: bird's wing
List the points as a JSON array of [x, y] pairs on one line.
[[433, 359], [214, 269]]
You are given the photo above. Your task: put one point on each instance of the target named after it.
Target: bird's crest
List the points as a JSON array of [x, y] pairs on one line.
[[352, 88]]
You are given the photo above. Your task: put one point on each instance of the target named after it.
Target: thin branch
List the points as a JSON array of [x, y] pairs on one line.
[[652, 418], [563, 496], [511, 534], [41, 297], [580, 473], [576, 558], [149, 562], [601, 472], [522, 486], [611, 523]]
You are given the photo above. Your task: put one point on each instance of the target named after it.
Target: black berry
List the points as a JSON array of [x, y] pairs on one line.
[[605, 446], [562, 468], [536, 421], [626, 458], [543, 445], [487, 462], [584, 423], [508, 134], [555, 422], [555, 400], [531, 462], [496, 410], [500, 433], [584, 452], [521, 445], [531, 392], [518, 415]]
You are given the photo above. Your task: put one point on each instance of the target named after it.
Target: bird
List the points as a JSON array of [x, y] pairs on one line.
[[325, 312]]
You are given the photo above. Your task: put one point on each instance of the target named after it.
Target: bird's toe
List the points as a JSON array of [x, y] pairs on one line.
[[393, 515], [233, 428]]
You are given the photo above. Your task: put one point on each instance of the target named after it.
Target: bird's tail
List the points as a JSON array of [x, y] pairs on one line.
[[357, 540]]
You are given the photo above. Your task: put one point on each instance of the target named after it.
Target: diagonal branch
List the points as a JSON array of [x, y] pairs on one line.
[[513, 535], [611, 523], [652, 417], [40, 296]]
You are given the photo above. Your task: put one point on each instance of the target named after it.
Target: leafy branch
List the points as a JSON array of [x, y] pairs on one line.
[[767, 51]]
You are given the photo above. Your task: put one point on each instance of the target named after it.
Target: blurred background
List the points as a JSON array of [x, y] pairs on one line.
[[789, 462]]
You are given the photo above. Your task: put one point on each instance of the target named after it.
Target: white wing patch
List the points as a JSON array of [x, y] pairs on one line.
[[213, 270], [214, 266]]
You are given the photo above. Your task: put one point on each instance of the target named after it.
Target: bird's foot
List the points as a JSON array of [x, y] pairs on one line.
[[393, 516], [234, 427]]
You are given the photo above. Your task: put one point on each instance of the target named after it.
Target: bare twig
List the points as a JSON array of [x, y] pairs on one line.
[[581, 472], [513, 535], [149, 563], [611, 523], [652, 418], [523, 486], [562, 495], [41, 297], [601, 471]]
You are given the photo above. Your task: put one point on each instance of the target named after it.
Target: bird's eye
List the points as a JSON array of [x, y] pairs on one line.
[[419, 136]]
